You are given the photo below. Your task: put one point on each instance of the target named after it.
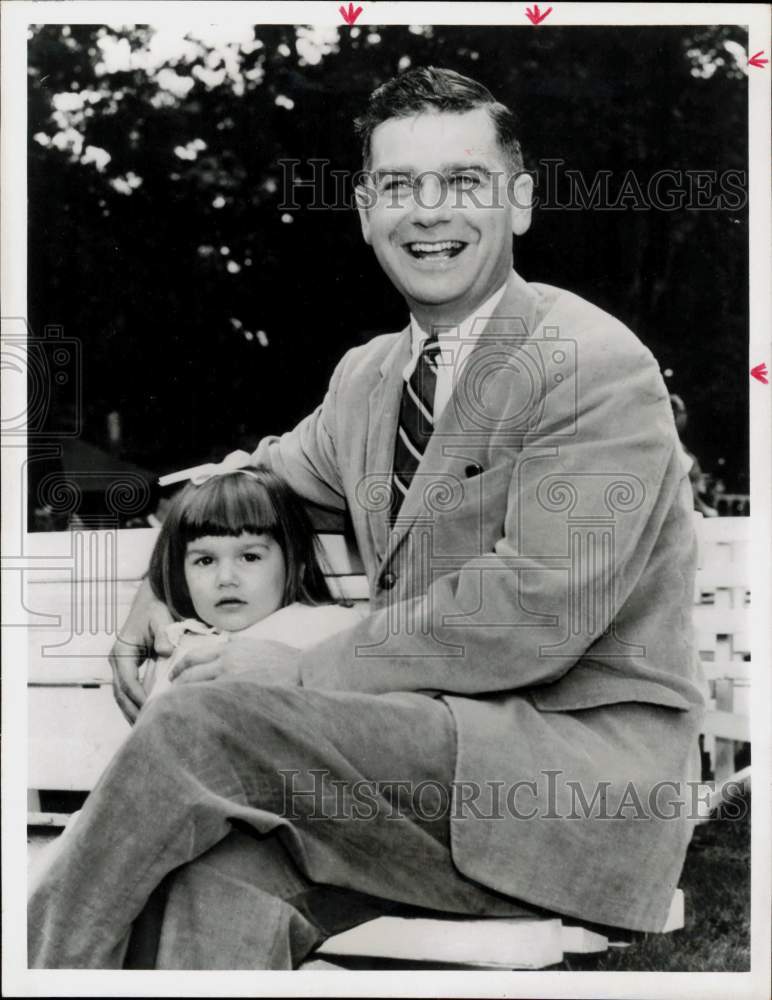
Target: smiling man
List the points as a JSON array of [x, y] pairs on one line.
[[437, 216], [515, 483]]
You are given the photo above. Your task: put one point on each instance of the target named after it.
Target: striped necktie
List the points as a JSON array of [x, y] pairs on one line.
[[416, 422]]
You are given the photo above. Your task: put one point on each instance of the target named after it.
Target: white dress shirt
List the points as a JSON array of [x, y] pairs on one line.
[[456, 343]]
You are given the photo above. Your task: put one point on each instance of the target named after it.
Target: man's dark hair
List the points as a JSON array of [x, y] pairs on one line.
[[429, 89]]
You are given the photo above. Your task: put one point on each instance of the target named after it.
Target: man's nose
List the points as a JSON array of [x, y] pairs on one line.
[[431, 199]]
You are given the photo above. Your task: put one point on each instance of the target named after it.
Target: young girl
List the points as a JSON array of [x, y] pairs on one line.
[[236, 555]]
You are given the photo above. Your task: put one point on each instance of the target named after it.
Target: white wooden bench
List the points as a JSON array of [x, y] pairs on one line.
[[73, 607], [722, 599], [84, 590]]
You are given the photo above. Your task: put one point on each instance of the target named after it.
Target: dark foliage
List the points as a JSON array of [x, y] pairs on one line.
[[170, 334]]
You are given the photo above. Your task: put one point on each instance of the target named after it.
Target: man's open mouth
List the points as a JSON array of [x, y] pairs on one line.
[[444, 250]]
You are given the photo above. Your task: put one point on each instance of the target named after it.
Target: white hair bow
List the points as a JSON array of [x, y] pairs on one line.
[[236, 461]]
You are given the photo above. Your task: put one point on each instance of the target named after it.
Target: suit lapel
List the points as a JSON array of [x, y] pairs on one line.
[[383, 418], [513, 320]]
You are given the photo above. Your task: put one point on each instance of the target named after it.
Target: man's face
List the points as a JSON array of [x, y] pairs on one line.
[[440, 216]]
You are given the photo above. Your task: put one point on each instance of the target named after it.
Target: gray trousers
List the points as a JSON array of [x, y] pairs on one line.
[[240, 825]]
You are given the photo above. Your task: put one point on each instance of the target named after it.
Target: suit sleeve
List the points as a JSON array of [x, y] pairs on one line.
[[305, 456], [486, 626]]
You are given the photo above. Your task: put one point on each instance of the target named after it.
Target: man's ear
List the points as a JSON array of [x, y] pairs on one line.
[[365, 195], [520, 195]]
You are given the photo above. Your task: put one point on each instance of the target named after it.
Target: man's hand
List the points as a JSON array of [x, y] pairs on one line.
[[260, 660], [142, 635]]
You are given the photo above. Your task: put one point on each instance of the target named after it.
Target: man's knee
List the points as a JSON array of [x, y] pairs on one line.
[[217, 712], [175, 700], [183, 713]]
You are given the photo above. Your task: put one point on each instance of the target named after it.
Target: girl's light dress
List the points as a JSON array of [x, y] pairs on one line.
[[297, 625]]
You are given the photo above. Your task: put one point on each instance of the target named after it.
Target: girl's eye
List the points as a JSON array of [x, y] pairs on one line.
[[252, 557], [202, 561]]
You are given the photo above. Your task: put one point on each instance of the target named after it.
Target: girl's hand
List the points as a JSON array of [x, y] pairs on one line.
[[258, 660]]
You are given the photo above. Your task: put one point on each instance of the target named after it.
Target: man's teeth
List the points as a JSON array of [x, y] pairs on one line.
[[435, 247]]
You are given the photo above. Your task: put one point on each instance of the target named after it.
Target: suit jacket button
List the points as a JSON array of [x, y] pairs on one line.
[[388, 580], [473, 470]]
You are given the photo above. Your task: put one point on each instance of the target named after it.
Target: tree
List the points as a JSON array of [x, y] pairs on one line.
[[211, 314]]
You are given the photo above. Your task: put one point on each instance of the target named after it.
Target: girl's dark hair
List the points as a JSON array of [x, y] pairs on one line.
[[255, 500], [427, 88]]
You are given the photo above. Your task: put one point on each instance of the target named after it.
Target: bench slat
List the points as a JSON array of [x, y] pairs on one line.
[[501, 943], [727, 725], [738, 671], [720, 621], [74, 732], [729, 530], [485, 942]]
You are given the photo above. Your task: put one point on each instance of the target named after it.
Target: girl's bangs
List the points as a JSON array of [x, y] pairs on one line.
[[228, 505]]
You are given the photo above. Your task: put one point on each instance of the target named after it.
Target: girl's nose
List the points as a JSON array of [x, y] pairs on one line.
[[226, 573]]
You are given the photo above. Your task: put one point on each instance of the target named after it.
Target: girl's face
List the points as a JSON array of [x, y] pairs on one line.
[[235, 582]]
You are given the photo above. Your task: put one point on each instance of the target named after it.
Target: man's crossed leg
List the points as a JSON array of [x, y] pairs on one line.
[[224, 833]]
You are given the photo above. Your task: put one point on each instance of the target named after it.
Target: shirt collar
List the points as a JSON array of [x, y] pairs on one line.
[[467, 330]]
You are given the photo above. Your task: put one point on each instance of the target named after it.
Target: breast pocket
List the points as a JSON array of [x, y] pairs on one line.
[[473, 519]]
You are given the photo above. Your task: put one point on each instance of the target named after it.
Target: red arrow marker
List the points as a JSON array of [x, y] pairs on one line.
[[757, 61], [535, 16], [760, 372], [350, 15]]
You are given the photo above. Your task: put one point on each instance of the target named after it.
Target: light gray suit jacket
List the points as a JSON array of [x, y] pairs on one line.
[[540, 580]]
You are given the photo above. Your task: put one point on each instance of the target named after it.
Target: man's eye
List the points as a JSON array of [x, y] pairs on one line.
[[465, 182], [398, 183]]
